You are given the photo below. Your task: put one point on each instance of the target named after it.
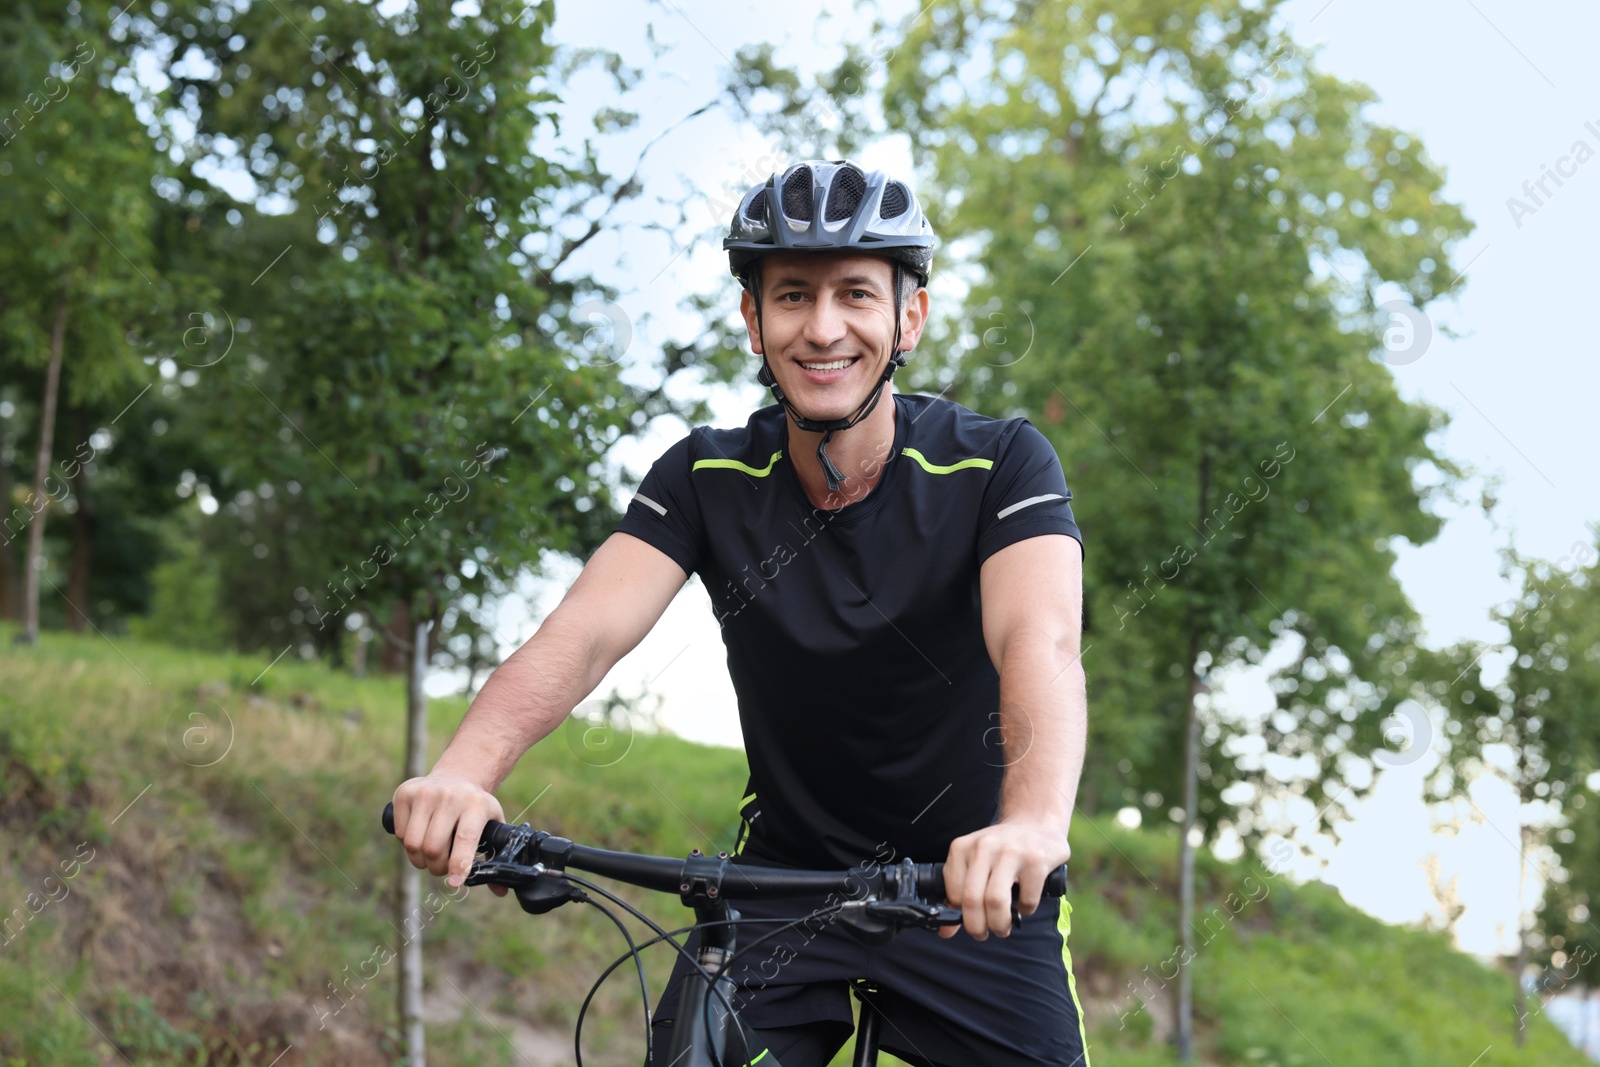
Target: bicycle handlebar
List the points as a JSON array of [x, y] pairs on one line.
[[739, 881]]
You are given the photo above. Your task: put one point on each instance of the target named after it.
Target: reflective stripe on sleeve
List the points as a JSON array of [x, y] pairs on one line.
[[1019, 505]]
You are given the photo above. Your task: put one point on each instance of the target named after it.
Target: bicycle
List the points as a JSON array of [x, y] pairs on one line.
[[535, 866]]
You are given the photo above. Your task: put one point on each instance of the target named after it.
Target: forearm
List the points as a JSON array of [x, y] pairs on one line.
[[1044, 723], [523, 701]]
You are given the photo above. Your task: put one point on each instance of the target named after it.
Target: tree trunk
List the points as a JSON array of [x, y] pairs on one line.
[[83, 531], [33, 562], [1183, 1007], [10, 609], [1184, 1029], [396, 640], [1522, 942], [411, 877], [358, 659]]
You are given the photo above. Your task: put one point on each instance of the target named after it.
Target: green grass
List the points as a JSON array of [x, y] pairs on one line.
[[205, 922]]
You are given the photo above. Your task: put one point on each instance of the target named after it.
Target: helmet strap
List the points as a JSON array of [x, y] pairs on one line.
[[828, 427]]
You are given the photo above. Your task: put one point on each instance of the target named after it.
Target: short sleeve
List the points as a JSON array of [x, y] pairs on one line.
[[664, 513], [1027, 494]]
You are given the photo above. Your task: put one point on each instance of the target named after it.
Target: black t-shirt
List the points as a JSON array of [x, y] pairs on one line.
[[869, 705]]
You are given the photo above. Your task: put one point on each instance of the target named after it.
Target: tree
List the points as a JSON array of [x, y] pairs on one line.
[[1195, 227], [437, 420], [78, 281], [1538, 727]]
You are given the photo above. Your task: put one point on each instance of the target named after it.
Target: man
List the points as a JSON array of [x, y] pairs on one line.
[[899, 585]]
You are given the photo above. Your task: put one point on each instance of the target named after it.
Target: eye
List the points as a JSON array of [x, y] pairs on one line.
[[860, 294], [794, 293]]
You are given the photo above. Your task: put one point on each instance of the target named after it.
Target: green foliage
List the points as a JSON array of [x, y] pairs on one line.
[[418, 410], [1290, 968], [140, 1030], [1543, 717], [185, 607]]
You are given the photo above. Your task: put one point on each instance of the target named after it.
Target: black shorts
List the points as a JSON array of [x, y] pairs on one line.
[[958, 1001]]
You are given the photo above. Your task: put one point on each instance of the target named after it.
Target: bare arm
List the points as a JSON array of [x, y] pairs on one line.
[[1032, 596], [618, 597]]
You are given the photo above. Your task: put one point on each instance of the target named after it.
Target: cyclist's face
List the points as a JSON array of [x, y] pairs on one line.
[[827, 327]]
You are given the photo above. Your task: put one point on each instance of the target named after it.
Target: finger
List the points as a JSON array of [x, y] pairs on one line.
[[441, 835], [416, 831], [997, 895], [499, 890], [402, 811], [469, 829], [955, 879], [1030, 880], [974, 908], [464, 846], [956, 865]]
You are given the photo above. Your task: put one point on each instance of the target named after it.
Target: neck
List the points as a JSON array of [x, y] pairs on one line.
[[860, 453]]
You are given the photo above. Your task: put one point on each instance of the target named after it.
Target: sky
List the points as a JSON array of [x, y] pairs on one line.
[[1499, 93]]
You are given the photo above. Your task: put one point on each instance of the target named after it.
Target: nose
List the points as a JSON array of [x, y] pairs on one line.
[[825, 325]]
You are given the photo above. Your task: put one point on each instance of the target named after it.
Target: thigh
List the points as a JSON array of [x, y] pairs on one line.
[[1006, 1002], [807, 1045]]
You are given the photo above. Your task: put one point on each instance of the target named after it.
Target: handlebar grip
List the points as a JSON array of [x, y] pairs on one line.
[[1055, 883], [492, 839]]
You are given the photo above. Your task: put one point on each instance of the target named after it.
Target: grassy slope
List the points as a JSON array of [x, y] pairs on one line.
[[214, 919]]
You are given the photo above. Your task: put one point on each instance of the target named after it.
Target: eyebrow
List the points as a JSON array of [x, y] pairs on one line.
[[857, 280]]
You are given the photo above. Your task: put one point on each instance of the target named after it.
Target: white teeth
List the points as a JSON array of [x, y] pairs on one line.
[[837, 364]]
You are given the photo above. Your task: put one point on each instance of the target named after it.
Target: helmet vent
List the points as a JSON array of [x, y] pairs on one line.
[[895, 201], [797, 200], [758, 207], [849, 186]]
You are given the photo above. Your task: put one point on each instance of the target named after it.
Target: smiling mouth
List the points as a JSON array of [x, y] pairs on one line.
[[833, 364]]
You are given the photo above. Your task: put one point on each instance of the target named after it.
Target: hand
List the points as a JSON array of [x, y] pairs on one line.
[[439, 818], [983, 866]]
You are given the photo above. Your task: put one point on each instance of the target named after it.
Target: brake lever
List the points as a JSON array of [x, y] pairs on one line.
[[539, 887], [948, 916]]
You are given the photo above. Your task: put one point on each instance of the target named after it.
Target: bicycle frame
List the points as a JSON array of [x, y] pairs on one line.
[[695, 1044]]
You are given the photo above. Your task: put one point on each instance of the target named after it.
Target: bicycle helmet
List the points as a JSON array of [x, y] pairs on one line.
[[861, 211]]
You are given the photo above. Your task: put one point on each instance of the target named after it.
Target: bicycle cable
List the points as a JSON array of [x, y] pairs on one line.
[[728, 967], [663, 935], [711, 982], [635, 950], [644, 988]]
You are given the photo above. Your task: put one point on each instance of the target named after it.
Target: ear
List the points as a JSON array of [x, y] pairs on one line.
[[747, 308], [913, 317]]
